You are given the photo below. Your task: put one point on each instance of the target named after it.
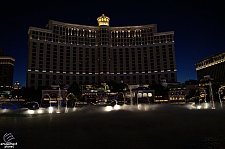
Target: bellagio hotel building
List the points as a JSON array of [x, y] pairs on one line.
[[63, 53]]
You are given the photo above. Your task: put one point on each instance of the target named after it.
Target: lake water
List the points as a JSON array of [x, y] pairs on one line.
[[149, 126]]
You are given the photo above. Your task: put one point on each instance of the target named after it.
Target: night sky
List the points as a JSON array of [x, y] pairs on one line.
[[198, 25]]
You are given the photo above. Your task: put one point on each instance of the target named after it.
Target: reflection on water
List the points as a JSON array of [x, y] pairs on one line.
[[143, 126]]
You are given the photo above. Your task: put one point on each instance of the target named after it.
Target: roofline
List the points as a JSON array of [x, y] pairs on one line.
[[112, 27], [7, 57], [39, 29]]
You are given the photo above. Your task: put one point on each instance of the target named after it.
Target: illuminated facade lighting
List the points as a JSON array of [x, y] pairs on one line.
[[81, 53], [213, 66], [103, 20]]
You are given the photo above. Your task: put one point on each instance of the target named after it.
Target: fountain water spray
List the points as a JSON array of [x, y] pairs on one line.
[[70, 94], [49, 98], [220, 89], [212, 98], [123, 97], [59, 97]]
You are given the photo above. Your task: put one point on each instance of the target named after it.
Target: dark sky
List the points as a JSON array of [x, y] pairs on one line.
[[198, 25]]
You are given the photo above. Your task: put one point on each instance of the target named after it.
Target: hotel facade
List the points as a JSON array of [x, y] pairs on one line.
[[212, 66], [6, 71], [63, 53]]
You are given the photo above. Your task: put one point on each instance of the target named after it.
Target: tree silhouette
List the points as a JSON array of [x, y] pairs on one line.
[[75, 89]]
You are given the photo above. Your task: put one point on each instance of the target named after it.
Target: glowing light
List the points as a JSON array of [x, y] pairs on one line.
[[50, 109], [66, 110], [206, 106], [103, 20], [108, 108], [117, 107], [199, 107], [4, 110], [139, 107], [30, 111], [40, 111], [74, 109], [149, 94]]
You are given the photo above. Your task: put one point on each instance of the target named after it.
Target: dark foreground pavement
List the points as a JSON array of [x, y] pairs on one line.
[[157, 126]]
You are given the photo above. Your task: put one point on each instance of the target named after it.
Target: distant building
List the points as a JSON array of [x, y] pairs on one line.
[[17, 85], [177, 95], [6, 71], [143, 95], [65, 52], [214, 66]]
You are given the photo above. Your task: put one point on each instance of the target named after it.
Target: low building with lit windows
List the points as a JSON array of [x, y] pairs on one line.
[[177, 95], [65, 52]]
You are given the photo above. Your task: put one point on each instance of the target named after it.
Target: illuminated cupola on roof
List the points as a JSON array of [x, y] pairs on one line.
[[103, 20]]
